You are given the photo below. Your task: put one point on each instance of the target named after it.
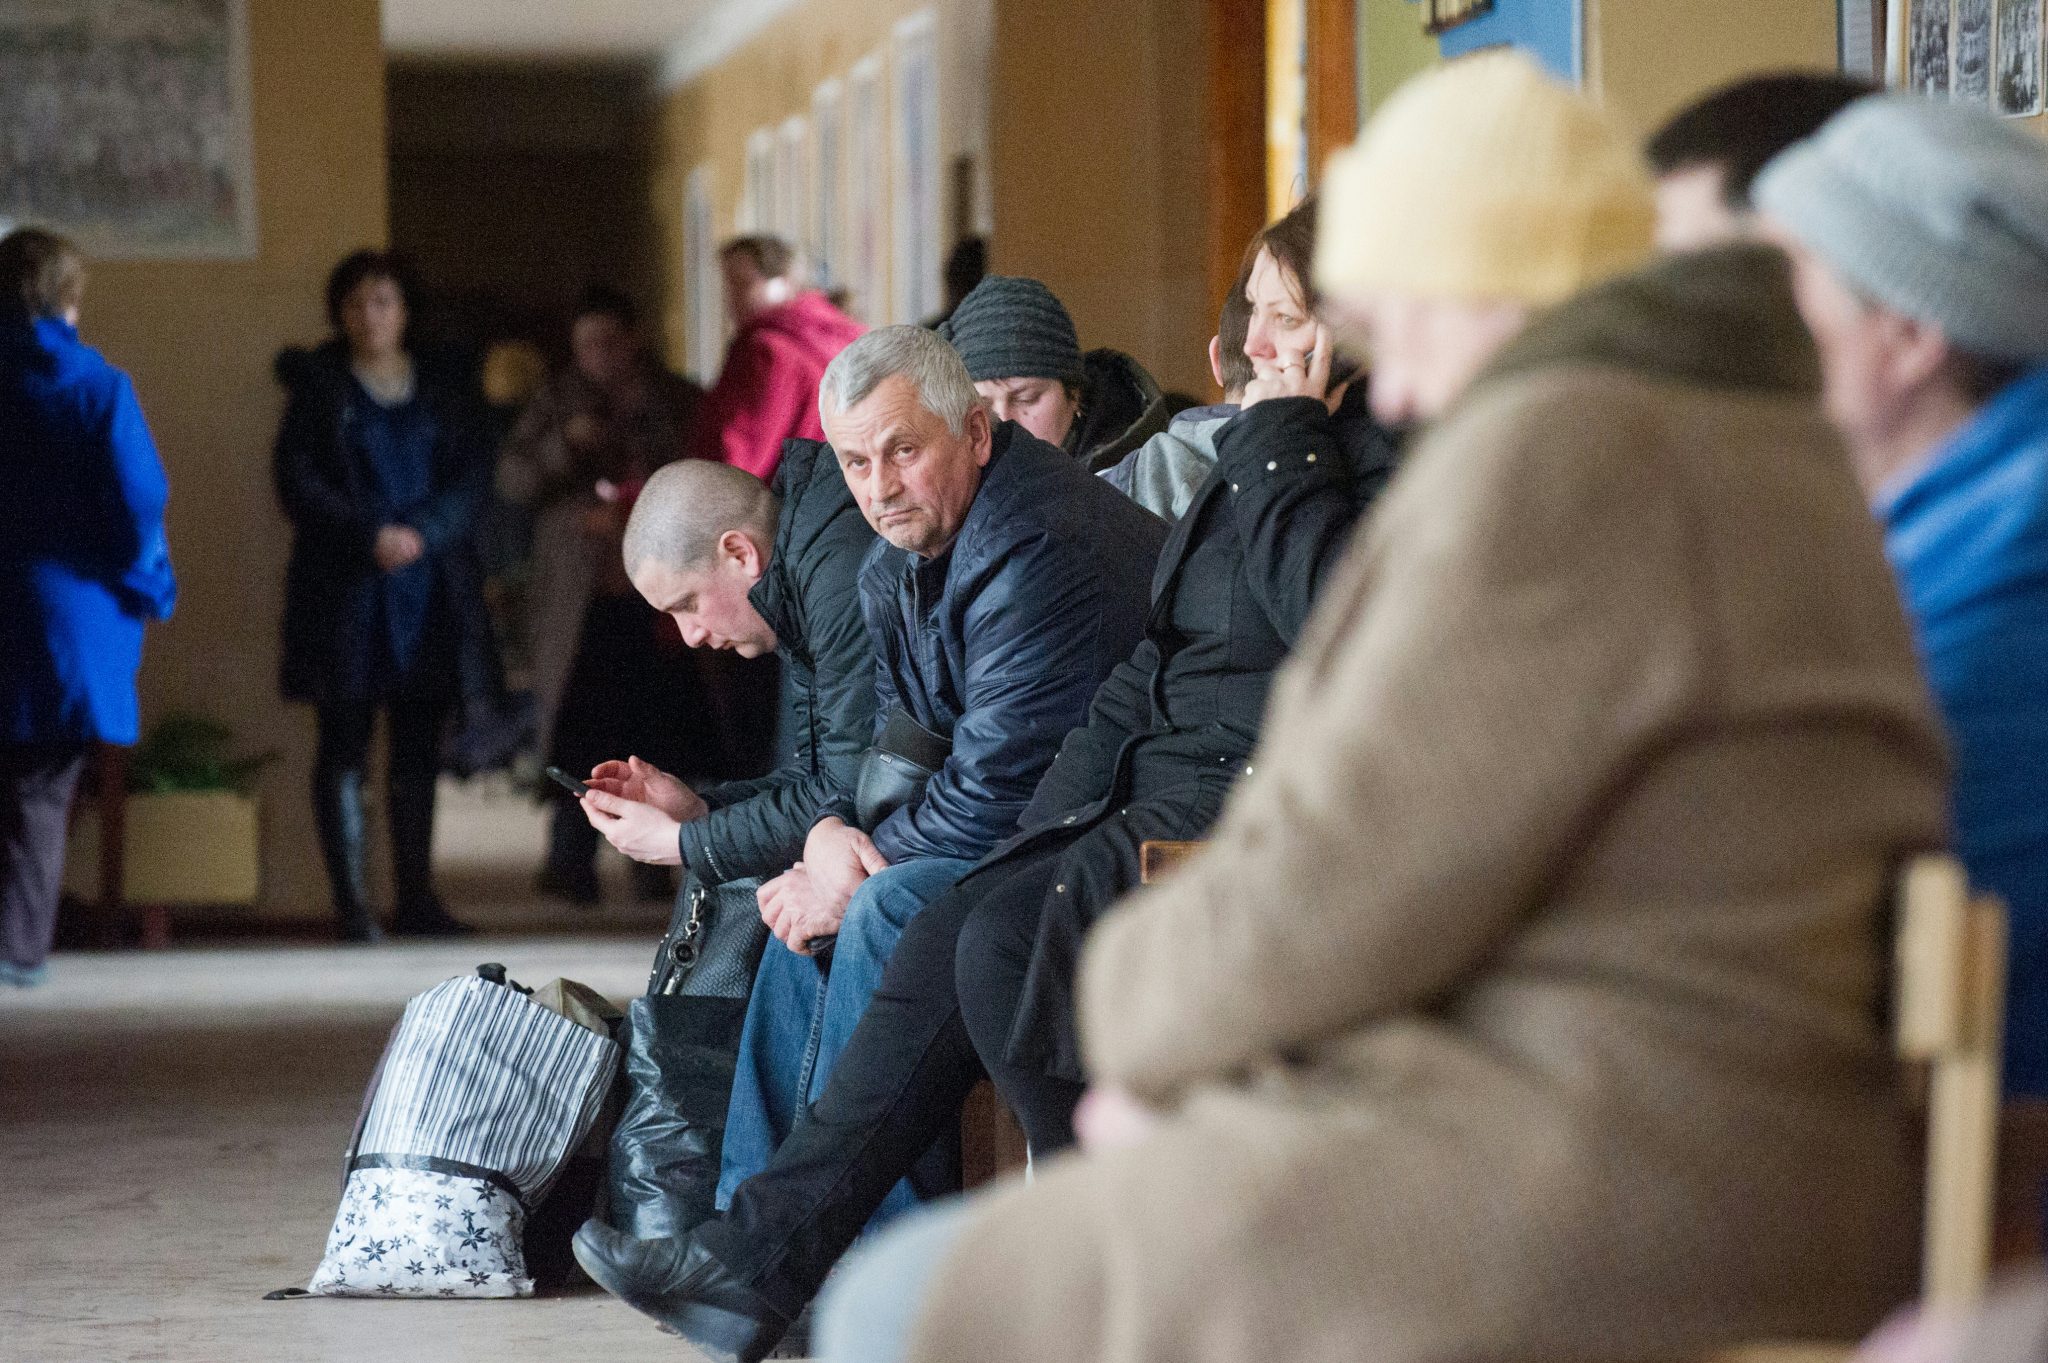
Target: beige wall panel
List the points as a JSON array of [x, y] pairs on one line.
[[198, 336]]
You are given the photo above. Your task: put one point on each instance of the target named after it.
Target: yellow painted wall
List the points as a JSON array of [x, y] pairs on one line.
[[770, 78], [1646, 59], [1085, 122], [198, 337], [1392, 46], [1097, 144]]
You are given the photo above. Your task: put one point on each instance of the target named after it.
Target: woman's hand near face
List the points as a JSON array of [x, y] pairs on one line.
[[1292, 374]]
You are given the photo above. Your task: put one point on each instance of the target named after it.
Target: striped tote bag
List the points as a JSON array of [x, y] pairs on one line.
[[480, 1099]]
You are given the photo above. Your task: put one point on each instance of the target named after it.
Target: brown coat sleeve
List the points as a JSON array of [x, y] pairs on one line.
[[1512, 632]]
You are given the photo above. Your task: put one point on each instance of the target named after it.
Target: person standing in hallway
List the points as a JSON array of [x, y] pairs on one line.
[[1919, 234], [382, 471], [604, 680], [84, 565], [767, 391]]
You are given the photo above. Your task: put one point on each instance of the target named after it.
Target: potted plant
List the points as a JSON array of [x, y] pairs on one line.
[[189, 826]]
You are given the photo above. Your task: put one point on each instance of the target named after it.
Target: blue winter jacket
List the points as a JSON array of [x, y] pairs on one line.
[[1967, 534], [83, 558], [1000, 642]]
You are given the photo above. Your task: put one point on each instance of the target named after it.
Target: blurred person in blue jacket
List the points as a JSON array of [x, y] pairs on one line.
[[84, 565]]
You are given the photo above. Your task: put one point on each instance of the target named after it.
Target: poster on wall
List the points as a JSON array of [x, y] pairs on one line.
[[868, 181], [916, 209], [1551, 31], [2016, 58], [792, 184], [1971, 38], [828, 220], [1927, 47], [126, 125], [755, 211], [703, 289]]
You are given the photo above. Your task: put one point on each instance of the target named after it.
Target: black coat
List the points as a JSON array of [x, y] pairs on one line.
[[326, 488], [1175, 724], [810, 596], [999, 643], [1121, 408]]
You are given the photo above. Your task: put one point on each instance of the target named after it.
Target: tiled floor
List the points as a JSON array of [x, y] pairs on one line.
[[171, 1128]]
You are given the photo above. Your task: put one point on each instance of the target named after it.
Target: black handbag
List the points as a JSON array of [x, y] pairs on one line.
[[895, 771], [681, 1043]]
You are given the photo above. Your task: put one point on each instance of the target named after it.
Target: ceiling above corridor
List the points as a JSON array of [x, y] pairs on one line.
[[681, 36]]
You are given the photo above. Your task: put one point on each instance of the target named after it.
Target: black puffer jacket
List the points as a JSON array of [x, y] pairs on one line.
[[1121, 408], [1174, 726], [809, 595], [999, 643]]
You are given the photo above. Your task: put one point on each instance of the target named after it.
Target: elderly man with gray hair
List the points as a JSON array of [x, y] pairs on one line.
[[1010, 583]]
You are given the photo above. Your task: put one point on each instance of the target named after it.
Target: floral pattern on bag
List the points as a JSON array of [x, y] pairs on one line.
[[413, 1233]]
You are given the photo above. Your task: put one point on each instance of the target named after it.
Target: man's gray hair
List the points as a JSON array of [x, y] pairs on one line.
[[685, 508], [933, 367]]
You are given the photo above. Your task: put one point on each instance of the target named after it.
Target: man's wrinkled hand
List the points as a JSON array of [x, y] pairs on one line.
[[839, 857], [639, 830], [794, 911], [648, 784]]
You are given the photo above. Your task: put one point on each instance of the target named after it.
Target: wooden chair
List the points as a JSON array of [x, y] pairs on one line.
[[1949, 1006]]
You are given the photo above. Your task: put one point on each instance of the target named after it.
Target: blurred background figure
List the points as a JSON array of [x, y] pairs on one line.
[[1710, 152], [767, 390], [966, 266], [609, 679], [1025, 357], [381, 468], [86, 564]]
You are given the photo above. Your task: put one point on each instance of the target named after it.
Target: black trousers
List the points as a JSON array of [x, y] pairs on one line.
[[416, 715], [36, 784], [896, 1089]]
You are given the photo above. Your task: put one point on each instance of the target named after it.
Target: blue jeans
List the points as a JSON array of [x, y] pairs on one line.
[[802, 1012]]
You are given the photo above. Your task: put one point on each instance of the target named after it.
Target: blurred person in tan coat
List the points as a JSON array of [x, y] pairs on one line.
[[1524, 1004]]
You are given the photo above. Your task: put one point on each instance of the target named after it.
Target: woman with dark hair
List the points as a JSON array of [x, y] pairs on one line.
[[983, 977], [84, 566], [380, 467]]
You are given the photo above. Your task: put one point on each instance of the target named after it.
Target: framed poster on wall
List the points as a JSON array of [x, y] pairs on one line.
[[128, 125], [2016, 58], [703, 288], [867, 190], [916, 216], [828, 216]]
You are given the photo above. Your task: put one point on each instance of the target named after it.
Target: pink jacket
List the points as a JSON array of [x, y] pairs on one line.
[[768, 390]]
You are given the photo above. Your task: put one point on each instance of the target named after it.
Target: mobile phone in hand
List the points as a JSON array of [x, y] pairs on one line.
[[568, 782]]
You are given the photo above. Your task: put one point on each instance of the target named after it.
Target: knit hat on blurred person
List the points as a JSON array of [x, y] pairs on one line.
[[1010, 328], [1937, 211], [1485, 179]]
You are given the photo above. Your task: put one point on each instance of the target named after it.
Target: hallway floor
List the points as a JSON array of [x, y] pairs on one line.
[[171, 1129]]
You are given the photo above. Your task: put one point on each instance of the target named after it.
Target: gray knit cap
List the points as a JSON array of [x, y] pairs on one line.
[[1937, 211], [1009, 328]]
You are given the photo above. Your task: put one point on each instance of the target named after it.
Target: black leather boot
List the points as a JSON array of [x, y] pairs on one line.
[[419, 912], [338, 817], [679, 1284]]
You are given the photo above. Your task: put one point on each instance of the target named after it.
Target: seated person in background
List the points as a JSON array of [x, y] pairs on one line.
[[1166, 736], [601, 684], [1919, 233], [1524, 1004], [1163, 474], [739, 569], [1710, 153], [1025, 357], [767, 390], [1010, 583]]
